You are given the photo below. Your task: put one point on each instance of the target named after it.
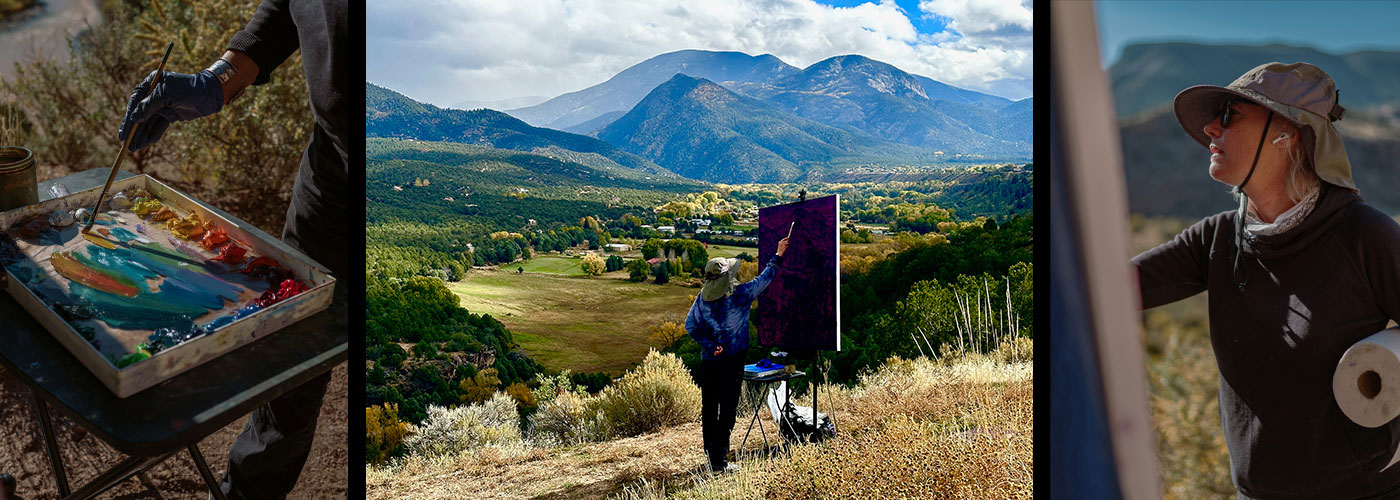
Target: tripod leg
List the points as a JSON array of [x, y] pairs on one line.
[[51, 445]]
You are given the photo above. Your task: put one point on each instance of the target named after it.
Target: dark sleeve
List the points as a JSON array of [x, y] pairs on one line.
[[269, 38], [1176, 269]]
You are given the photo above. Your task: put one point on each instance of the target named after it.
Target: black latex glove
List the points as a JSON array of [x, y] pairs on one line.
[[178, 97]]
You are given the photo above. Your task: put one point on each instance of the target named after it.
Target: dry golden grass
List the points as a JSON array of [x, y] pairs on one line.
[[957, 428]]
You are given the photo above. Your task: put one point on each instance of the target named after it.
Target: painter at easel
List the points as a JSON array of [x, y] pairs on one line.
[[719, 322], [267, 458]]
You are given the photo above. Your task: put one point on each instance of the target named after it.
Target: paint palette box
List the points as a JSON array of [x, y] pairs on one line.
[[161, 284]]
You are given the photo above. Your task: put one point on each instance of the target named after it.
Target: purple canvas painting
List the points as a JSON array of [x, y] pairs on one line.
[[800, 310]]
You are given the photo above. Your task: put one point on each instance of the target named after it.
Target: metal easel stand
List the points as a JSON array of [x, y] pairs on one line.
[[132, 466]]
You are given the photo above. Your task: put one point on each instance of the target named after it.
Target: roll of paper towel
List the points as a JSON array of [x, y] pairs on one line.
[[1367, 381]]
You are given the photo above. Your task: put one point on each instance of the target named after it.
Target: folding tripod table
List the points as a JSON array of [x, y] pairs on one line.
[[760, 403], [174, 415]]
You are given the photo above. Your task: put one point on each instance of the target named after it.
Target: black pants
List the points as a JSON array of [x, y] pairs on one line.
[[720, 381], [267, 458]]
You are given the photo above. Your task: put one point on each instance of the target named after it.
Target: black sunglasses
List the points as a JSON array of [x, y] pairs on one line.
[[1226, 112]]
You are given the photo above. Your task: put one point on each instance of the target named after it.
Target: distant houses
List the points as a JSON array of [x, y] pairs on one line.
[[667, 229], [618, 247]]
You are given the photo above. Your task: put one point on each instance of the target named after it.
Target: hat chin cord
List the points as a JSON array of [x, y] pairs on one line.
[[1240, 274]]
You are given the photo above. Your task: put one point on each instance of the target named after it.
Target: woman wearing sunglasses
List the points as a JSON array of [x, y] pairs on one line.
[[1301, 271]]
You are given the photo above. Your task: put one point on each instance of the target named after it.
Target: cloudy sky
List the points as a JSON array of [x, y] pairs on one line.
[[448, 51]]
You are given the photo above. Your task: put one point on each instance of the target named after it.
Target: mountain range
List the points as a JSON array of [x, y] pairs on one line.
[[1149, 75], [702, 130], [1166, 171], [619, 93], [859, 92], [735, 118]]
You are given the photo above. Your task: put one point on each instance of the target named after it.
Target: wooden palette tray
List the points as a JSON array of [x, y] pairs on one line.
[[169, 362]]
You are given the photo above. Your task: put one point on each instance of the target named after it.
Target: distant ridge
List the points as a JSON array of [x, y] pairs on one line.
[[626, 88], [390, 114], [701, 130]]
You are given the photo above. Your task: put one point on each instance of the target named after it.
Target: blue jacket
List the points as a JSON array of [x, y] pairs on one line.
[[726, 321]]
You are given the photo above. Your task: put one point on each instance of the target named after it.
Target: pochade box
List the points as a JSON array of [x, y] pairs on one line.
[[180, 285]]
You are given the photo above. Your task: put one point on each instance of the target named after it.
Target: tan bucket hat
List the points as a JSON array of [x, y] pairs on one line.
[[1300, 92], [721, 277]]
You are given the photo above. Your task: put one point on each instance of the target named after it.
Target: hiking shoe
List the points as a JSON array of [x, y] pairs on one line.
[[727, 469]]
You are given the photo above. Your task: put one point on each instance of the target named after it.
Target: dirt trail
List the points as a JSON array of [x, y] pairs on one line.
[[22, 451]]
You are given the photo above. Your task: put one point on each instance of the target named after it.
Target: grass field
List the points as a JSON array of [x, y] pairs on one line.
[[574, 322], [729, 251], [551, 264]]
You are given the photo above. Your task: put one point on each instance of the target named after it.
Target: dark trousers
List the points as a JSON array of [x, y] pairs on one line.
[[267, 458], [720, 381]]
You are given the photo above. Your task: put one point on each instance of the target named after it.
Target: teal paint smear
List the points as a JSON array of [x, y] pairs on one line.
[[123, 234], [148, 311], [197, 280], [180, 285], [116, 266]]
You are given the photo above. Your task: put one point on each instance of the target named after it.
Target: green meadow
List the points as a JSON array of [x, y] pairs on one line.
[[574, 322]]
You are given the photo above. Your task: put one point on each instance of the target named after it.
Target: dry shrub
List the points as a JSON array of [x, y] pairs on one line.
[[450, 431], [564, 420], [1017, 349], [659, 393]]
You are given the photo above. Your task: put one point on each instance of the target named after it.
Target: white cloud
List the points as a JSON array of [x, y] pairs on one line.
[[981, 16], [446, 51]]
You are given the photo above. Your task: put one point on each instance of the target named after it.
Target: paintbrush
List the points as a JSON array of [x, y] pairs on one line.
[[121, 155]]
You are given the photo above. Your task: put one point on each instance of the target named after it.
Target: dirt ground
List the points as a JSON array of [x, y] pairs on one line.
[[22, 452]]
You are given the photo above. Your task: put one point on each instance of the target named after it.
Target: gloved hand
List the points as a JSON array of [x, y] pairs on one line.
[[178, 97]]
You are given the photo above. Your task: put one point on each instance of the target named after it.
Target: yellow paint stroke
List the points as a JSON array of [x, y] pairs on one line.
[[75, 271]]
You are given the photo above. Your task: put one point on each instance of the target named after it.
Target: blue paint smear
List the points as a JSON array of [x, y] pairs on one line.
[[183, 285], [123, 234], [182, 295], [223, 321], [148, 311]]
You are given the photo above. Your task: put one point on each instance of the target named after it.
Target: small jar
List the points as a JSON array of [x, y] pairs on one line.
[[19, 183]]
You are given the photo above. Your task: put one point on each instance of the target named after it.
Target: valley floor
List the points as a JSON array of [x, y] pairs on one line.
[[575, 322]]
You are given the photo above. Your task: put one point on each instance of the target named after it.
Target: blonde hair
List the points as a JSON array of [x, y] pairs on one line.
[[1302, 179]]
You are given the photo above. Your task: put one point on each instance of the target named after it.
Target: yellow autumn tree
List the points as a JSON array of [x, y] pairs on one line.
[[383, 432]]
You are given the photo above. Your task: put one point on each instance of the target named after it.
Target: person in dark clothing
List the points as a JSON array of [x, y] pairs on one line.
[[268, 456], [719, 322], [1299, 273]]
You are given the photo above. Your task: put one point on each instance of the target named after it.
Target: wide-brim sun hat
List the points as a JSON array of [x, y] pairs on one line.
[[721, 277], [1299, 92]]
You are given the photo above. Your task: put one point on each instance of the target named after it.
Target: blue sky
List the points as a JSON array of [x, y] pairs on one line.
[[1336, 27], [490, 50]]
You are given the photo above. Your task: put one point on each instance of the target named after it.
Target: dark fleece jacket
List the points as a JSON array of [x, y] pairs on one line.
[[1312, 292]]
